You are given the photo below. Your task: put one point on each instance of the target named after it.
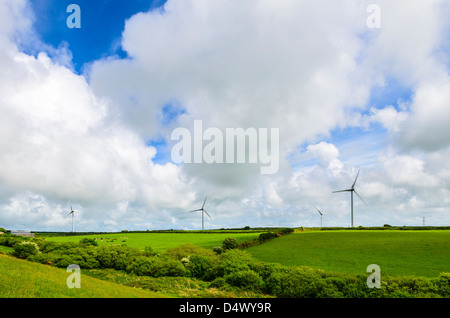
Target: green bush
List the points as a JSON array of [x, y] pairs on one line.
[[66, 260], [230, 243], [11, 240], [88, 242], [218, 282], [156, 267], [202, 267], [297, 282], [234, 261], [218, 250], [148, 251], [25, 249], [264, 237], [443, 284], [57, 247], [245, 279], [43, 258]]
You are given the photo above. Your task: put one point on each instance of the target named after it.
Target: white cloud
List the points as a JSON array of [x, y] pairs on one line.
[[306, 67]]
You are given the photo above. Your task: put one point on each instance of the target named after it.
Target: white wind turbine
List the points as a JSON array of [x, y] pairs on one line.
[[203, 211], [73, 214], [351, 190], [321, 214]]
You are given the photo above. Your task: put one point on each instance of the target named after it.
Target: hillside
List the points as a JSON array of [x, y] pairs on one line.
[[23, 279]]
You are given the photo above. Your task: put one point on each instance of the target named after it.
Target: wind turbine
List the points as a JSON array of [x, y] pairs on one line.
[[351, 190], [320, 216], [73, 214], [203, 211]]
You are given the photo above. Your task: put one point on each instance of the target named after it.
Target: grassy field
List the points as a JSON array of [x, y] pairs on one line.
[[160, 241], [410, 253], [23, 279]]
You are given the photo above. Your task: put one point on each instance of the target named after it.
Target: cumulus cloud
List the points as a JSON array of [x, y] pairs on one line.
[[305, 67], [62, 144]]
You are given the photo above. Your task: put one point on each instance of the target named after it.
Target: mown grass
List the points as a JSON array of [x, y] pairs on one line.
[[159, 241], [23, 279], [411, 253]]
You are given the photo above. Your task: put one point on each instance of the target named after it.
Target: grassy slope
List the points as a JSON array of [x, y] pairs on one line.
[[23, 279], [161, 241], [419, 253]]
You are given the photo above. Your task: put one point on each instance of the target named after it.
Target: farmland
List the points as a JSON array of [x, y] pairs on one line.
[[306, 264], [414, 253], [160, 241]]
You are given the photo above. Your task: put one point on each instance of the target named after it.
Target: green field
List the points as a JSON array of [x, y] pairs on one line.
[[23, 279], [410, 253], [160, 241]]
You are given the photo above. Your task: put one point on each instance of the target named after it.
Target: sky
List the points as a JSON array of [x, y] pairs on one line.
[[89, 112]]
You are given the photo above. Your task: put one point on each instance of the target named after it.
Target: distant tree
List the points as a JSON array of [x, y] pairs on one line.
[[229, 243], [88, 242]]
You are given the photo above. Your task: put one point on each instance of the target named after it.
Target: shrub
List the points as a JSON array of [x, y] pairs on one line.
[[298, 282], [202, 267], [156, 267], [218, 250], [11, 240], [57, 247], [88, 242], [245, 279], [233, 261], [25, 249], [47, 259], [117, 257], [230, 243], [148, 251], [218, 282], [443, 284], [264, 237]]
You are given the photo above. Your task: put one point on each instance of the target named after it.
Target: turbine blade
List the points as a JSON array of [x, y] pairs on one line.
[[207, 214], [353, 185], [204, 202], [342, 191], [195, 210], [360, 197], [318, 211]]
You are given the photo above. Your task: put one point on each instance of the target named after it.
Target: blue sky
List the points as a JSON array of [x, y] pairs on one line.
[[102, 24]]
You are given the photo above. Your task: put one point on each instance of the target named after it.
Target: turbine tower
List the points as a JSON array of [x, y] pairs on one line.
[[73, 213], [351, 190], [203, 211], [321, 214]]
